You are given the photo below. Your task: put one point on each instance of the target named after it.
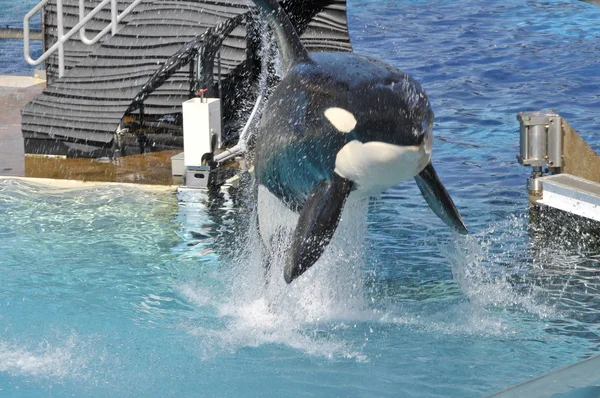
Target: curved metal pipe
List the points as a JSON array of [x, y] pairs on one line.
[[241, 146]]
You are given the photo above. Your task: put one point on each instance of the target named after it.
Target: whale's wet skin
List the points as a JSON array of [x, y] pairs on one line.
[[113, 291]]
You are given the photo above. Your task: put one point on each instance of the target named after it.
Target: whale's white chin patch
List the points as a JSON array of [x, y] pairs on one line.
[[375, 166]]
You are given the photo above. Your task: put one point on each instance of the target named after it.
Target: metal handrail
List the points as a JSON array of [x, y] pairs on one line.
[[80, 27], [116, 18]]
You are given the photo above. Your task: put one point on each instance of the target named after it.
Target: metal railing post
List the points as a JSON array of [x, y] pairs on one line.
[[114, 11], [219, 74], [60, 34], [26, 18]]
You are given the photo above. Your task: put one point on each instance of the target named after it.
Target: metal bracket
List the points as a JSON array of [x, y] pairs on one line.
[[541, 139], [197, 177]]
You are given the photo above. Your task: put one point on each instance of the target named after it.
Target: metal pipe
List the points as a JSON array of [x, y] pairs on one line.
[[219, 75], [241, 146], [142, 115], [555, 147], [523, 142], [26, 18], [60, 40], [246, 130], [198, 69], [116, 18], [534, 185], [537, 146], [60, 34], [44, 44], [82, 16], [191, 77], [114, 15]]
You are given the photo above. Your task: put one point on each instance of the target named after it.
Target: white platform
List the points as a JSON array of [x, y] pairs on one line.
[[580, 380], [571, 194]]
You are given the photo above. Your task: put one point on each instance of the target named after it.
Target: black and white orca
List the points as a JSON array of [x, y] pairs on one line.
[[339, 125]]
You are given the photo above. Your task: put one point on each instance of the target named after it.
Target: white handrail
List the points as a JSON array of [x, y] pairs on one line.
[[116, 18], [62, 37]]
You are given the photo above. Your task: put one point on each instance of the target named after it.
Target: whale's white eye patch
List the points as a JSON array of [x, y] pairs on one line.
[[341, 119]]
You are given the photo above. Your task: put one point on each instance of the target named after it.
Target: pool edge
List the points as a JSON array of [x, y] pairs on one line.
[[63, 183]]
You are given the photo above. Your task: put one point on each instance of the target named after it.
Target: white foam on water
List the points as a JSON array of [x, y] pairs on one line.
[[260, 308], [493, 303], [314, 312], [483, 275], [45, 360], [483, 265]]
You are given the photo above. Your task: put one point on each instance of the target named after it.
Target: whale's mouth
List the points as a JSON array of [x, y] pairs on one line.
[[375, 166]]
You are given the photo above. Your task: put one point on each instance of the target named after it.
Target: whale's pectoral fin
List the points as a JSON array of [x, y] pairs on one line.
[[438, 198], [317, 222]]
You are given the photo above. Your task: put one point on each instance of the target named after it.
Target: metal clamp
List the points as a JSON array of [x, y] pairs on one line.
[[541, 139], [541, 146]]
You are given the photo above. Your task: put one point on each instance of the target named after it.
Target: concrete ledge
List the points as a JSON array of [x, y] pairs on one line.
[[76, 184], [17, 34], [19, 81], [15, 92]]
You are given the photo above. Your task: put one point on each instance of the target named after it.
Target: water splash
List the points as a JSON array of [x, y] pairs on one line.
[[490, 292], [486, 264], [45, 360], [257, 307]]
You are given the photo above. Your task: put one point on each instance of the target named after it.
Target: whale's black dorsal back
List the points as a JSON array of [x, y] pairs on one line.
[[288, 41]]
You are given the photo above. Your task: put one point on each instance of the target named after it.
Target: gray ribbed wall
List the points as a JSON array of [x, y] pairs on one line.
[[88, 103]]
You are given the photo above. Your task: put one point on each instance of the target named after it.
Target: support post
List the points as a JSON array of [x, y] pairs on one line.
[[61, 33]]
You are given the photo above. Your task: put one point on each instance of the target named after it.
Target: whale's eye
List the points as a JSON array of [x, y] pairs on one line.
[[343, 120]]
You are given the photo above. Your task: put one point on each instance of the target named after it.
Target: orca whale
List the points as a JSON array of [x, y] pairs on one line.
[[339, 125]]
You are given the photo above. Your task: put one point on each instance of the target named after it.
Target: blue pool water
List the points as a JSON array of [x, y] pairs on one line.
[[117, 291], [12, 61]]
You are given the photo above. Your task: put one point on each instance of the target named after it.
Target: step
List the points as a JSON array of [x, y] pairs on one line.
[[572, 194]]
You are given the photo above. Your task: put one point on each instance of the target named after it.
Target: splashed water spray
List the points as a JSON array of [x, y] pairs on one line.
[[484, 273], [259, 308]]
